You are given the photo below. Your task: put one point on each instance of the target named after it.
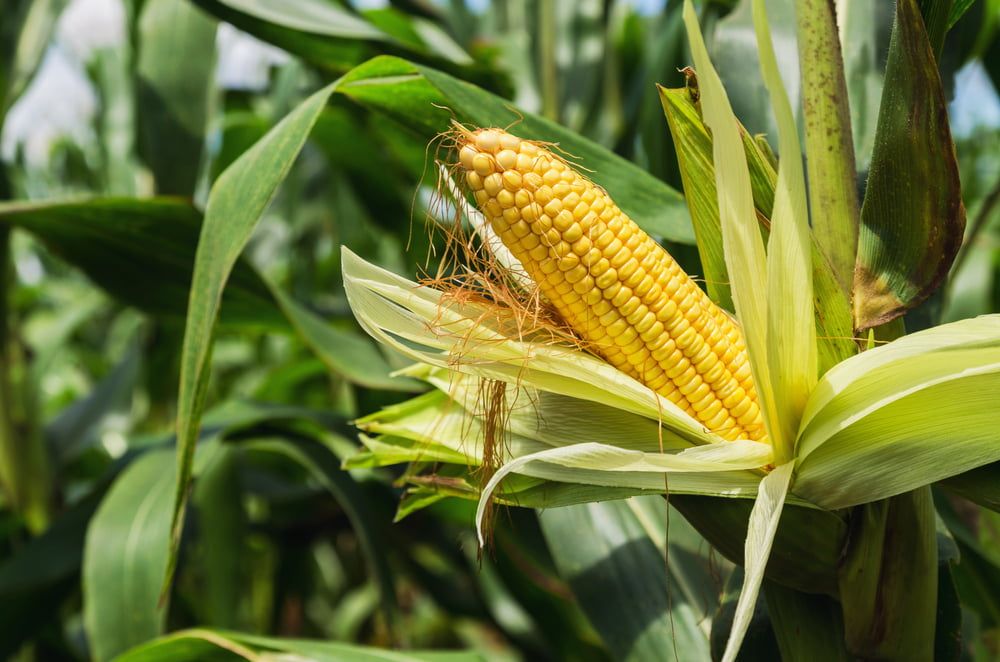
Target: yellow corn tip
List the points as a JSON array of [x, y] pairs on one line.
[[615, 286]]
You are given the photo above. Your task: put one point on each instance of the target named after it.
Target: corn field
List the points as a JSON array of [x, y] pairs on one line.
[[427, 330]]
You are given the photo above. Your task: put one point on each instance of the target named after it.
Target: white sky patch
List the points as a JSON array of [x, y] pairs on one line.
[[88, 25], [976, 103], [244, 61], [58, 102]]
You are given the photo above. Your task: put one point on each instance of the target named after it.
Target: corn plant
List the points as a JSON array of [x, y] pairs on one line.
[[662, 391], [591, 454]]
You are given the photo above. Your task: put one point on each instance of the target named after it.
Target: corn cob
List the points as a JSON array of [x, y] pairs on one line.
[[617, 288]]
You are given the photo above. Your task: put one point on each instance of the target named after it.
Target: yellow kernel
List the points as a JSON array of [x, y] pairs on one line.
[[626, 270], [614, 251], [488, 141], [519, 227], [482, 164], [606, 278], [473, 179], [617, 327], [584, 286], [539, 253], [530, 212], [576, 274], [568, 261], [493, 184], [582, 247], [624, 294], [512, 180], [506, 159], [628, 307], [604, 239], [509, 141], [655, 330], [572, 234], [506, 199], [466, 156], [543, 195]]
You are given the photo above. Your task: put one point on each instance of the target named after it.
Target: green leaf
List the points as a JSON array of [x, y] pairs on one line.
[[433, 427], [958, 9], [833, 197], [912, 218], [977, 573], [221, 536], [760, 642], [323, 467], [865, 27], [889, 579], [26, 33], [806, 626], [334, 38], [175, 71], [761, 531], [140, 252], [791, 331], [693, 143], [612, 556], [125, 557], [884, 421], [746, 261], [196, 645], [41, 574], [235, 205], [427, 100], [980, 485], [806, 549], [468, 338], [732, 45], [344, 352]]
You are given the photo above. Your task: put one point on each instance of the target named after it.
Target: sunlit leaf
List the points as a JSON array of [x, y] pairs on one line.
[[746, 261], [833, 197], [894, 407], [760, 536], [235, 205], [791, 331], [427, 100]]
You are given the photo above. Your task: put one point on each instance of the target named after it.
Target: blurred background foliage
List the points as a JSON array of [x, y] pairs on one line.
[[108, 103]]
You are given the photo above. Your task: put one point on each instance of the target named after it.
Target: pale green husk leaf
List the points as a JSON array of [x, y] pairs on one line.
[[599, 451], [741, 240], [791, 332], [760, 536], [732, 456], [467, 338], [914, 411]]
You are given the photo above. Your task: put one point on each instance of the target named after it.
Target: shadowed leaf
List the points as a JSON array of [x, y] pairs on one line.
[[912, 219]]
